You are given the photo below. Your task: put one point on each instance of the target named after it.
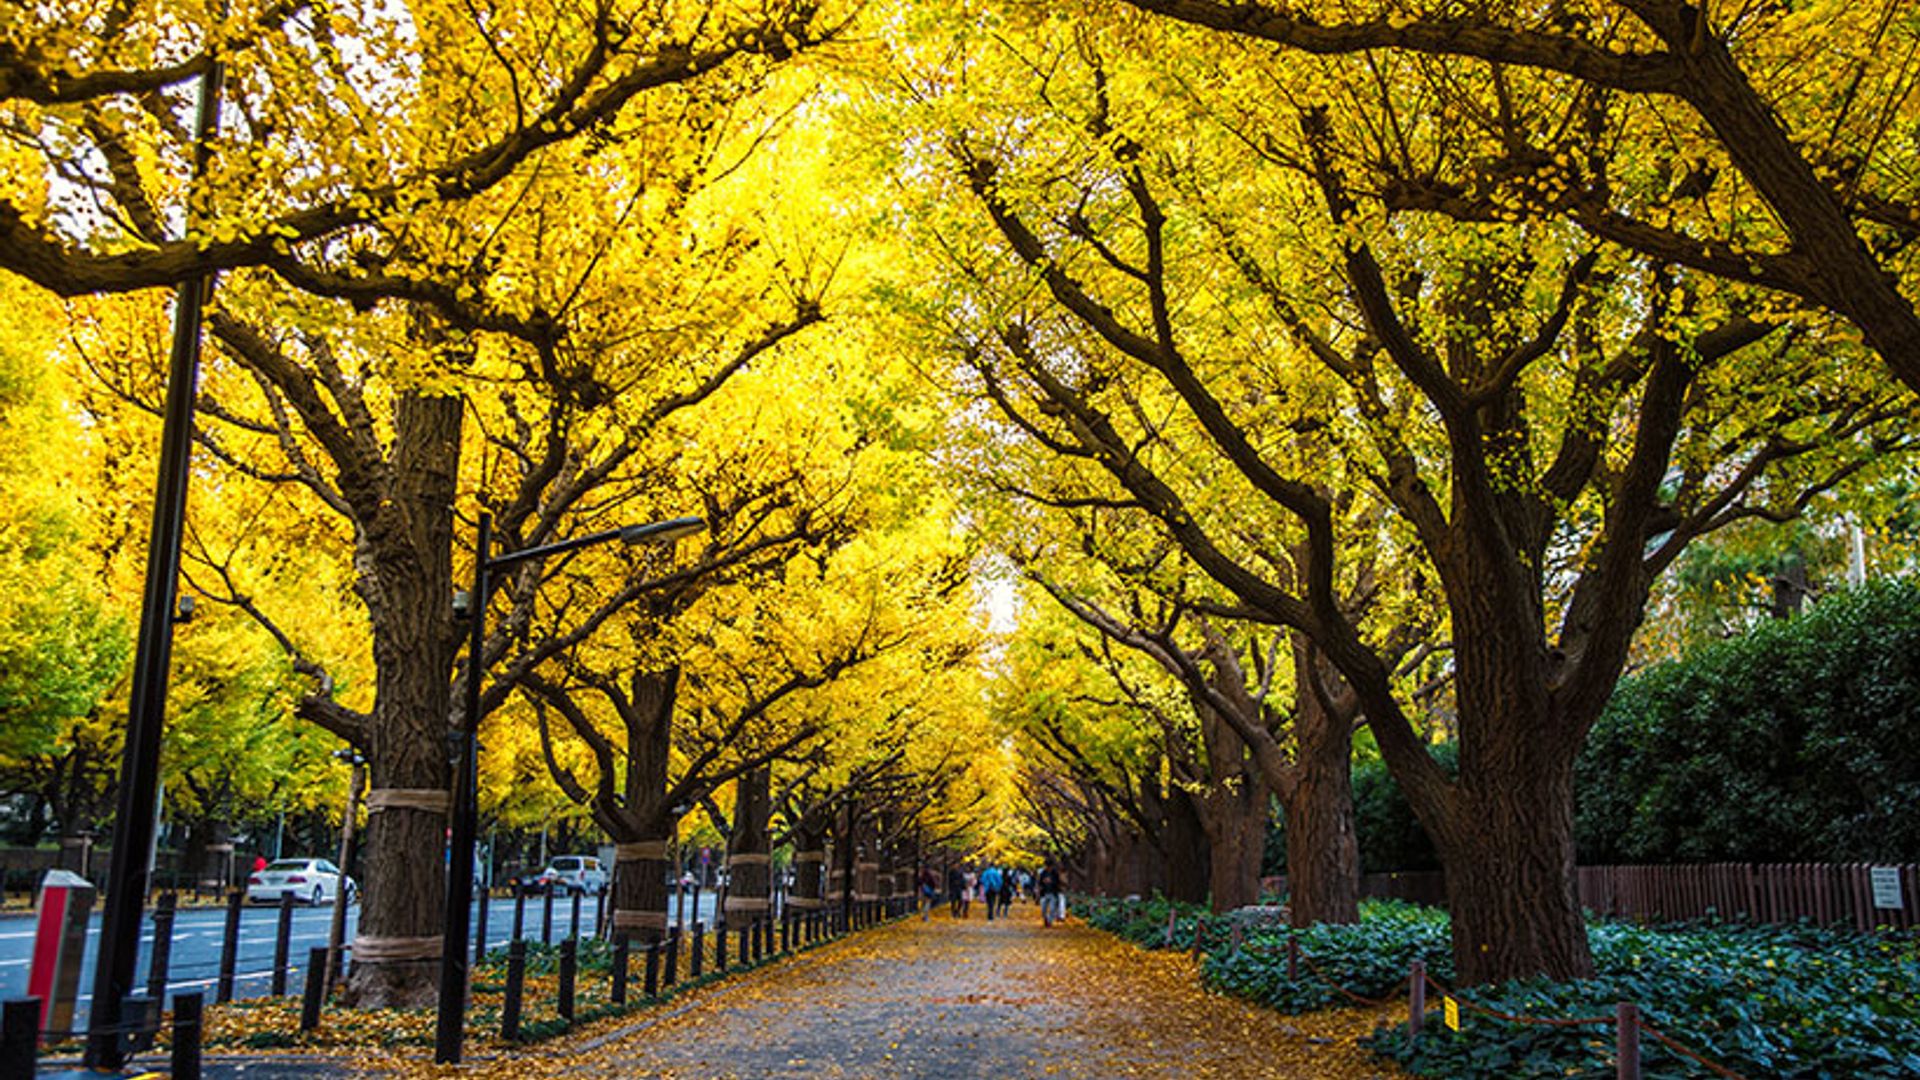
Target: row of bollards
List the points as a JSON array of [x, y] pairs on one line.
[[20, 1033], [660, 964], [755, 942]]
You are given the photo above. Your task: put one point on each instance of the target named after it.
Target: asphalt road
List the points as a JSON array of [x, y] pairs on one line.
[[197, 935]]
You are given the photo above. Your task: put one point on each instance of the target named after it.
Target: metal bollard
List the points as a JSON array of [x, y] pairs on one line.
[[746, 945], [229, 949], [569, 963], [1416, 1001], [19, 1036], [162, 955], [316, 989], [140, 1021], [516, 989], [480, 927], [1626, 1040], [621, 944], [673, 956], [653, 969], [1293, 959], [573, 926], [695, 955], [188, 1011], [719, 948], [786, 933], [519, 913], [282, 943], [600, 913], [546, 917]]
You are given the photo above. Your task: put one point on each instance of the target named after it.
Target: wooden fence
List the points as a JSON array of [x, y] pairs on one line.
[[1825, 893]]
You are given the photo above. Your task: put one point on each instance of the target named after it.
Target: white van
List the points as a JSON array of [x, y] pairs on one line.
[[574, 874]]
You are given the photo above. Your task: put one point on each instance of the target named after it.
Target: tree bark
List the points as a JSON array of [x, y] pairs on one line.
[[1187, 858], [1509, 861], [748, 854], [809, 864], [405, 560], [1323, 849]]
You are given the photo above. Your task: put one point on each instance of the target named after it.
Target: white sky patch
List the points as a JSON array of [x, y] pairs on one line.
[[996, 585]]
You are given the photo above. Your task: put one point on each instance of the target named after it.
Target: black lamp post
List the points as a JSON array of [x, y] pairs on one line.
[[134, 819], [466, 805]]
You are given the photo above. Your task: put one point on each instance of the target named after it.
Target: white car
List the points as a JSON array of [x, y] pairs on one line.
[[308, 881], [574, 874]]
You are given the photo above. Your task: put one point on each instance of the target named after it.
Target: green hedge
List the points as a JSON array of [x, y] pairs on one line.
[[1798, 742]]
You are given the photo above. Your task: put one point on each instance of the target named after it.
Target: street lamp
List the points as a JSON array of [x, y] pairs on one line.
[[128, 870], [466, 802]]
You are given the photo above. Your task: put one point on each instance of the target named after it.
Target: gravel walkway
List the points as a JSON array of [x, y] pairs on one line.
[[968, 998]]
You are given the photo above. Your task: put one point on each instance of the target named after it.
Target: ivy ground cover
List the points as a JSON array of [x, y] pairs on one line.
[[1795, 1001]]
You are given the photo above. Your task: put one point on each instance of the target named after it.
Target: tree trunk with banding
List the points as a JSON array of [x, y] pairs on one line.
[[748, 849], [404, 559]]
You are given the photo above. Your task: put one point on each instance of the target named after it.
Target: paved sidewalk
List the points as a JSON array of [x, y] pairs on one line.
[[968, 998]]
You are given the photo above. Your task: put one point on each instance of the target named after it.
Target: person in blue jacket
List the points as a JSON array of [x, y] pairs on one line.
[[990, 881]]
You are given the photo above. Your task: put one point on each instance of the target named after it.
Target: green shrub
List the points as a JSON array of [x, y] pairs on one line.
[[1369, 959], [1798, 1001], [1798, 742], [1764, 1001]]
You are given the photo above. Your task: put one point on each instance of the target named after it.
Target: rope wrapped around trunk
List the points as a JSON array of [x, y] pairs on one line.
[[432, 800], [388, 949], [640, 849]]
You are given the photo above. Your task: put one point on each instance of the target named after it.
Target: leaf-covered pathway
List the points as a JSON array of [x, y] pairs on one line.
[[967, 998]]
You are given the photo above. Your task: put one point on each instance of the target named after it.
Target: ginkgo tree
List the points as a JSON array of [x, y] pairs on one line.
[[1769, 144], [355, 114], [514, 353], [1549, 424], [64, 643], [838, 591]]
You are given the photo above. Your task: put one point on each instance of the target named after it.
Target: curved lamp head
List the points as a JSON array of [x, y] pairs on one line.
[[662, 532]]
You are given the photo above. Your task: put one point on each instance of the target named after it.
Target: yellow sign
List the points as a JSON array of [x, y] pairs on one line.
[[1453, 1012]]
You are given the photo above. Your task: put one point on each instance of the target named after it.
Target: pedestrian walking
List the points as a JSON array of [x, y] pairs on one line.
[[956, 892], [1053, 907], [929, 891], [990, 881]]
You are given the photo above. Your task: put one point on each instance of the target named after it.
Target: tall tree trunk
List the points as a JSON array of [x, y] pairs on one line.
[[1233, 809], [1186, 857], [748, 854], [1509, 858], [1323, 850], [1140, 864], [1100, 856], [866, 865], [641, 824], [840, 859], [208, 856], [406, 580], [809, 864], [883, 855], [905, 866], [1236, 839]]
